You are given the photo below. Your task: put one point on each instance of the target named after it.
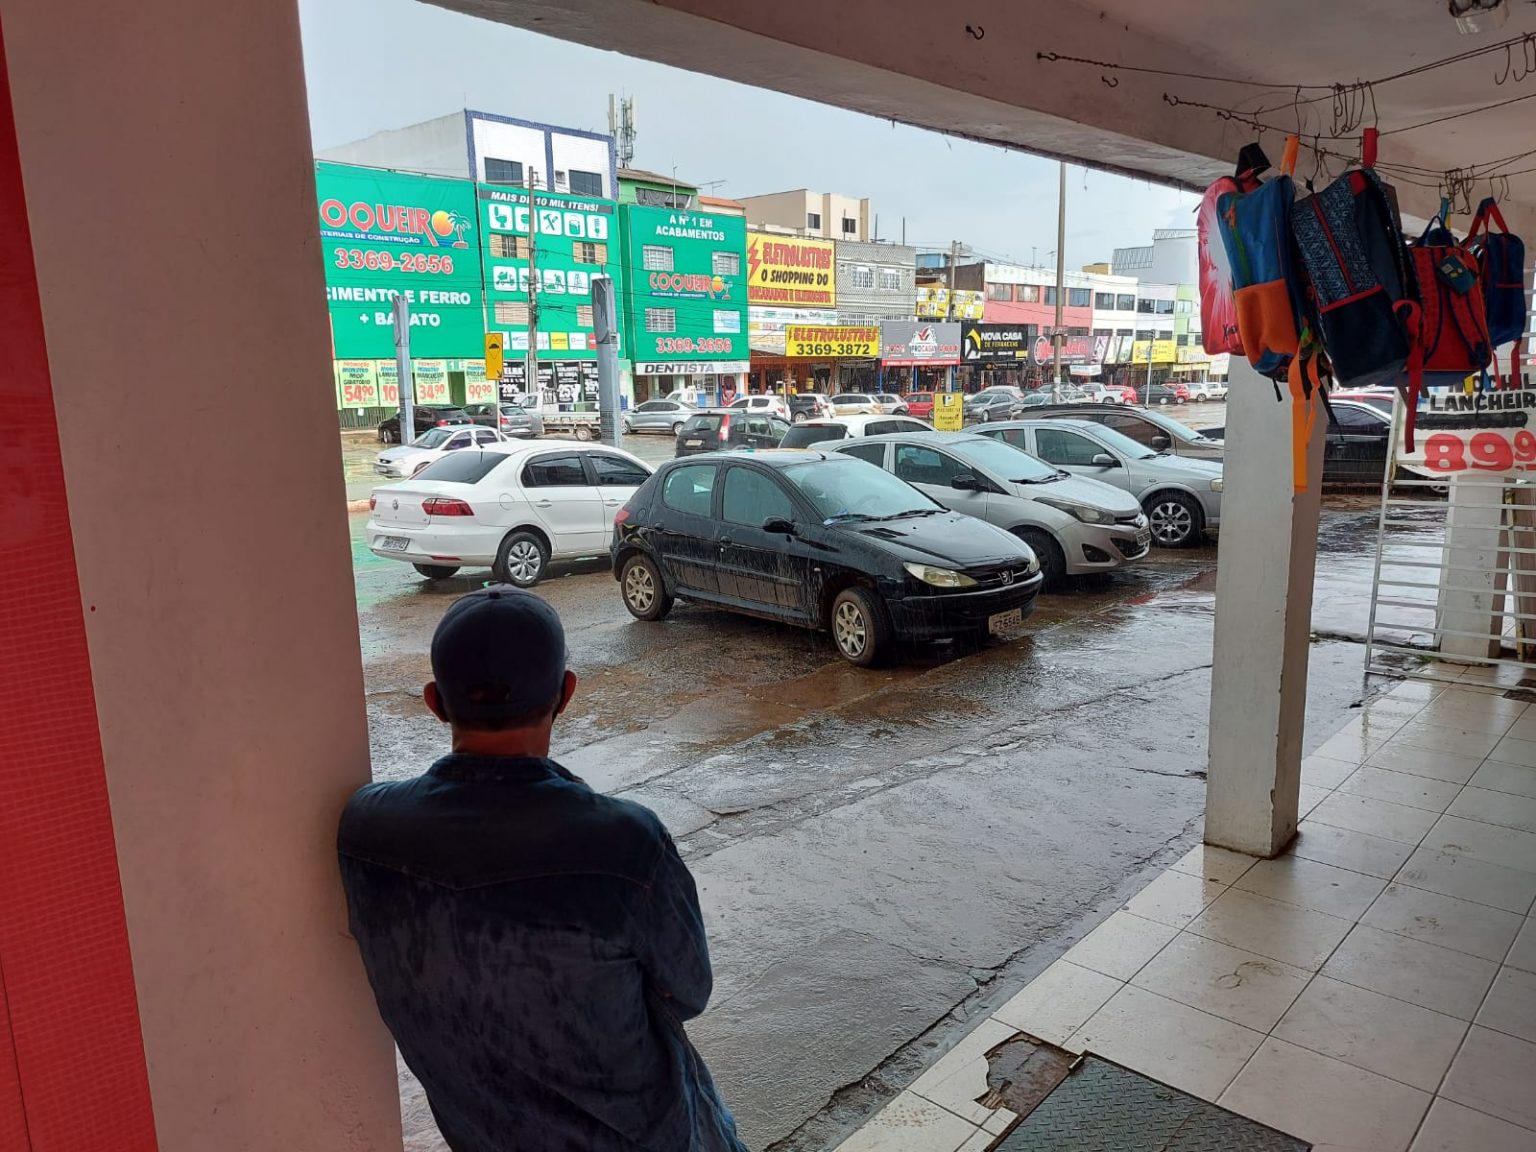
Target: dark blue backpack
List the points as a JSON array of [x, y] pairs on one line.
[[1500, 258]]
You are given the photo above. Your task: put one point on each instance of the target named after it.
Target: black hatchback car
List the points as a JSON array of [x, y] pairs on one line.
[[726, 428], [423, 416], [820, 540]]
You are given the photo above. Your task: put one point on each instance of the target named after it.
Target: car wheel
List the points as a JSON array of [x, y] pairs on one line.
[[521, 560], [1162, 399], [677, 429], [1053, 562], [1176, 519], [859, 627], [583, 432], [436, 571], [798, 417], [645, 594], [628, 428]]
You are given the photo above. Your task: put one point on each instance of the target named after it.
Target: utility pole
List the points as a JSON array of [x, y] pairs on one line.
[[403, 368], [1151, 348], [1061, 290], [949, 311], [531, 364], [605, 325]]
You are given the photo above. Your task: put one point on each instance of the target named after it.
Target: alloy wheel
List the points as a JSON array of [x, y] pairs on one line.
[[850, 630], [639, 588], [524, 561], [1171, 523]]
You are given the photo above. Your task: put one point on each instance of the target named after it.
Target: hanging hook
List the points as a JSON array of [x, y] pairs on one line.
[[1110, 81], [1317, 161], [1296, 108], [977, 32], [1509, 63]]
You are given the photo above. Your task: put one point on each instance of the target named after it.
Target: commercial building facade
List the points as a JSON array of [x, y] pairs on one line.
[[802, 212]]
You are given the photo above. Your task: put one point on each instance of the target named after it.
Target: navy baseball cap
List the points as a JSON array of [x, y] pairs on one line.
[[498, 653]]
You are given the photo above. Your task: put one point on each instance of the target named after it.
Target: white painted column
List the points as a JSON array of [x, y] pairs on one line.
[[1470, 585], [1268, 552]]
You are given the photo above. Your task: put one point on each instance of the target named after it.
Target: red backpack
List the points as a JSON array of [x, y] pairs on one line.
[[1218, 308], [1447, 319]]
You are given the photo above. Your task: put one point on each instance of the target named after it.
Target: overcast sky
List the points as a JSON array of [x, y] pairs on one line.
[[376, 64]]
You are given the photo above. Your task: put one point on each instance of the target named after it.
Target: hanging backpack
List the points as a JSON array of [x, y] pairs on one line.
[[1500, 258], [1448, 317], [1218, 310], [1270, 297]]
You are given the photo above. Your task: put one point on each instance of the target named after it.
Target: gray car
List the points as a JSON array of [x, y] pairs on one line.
[[666, 416], [1074, 526], [1181, 495], [512, 419], [1147, 427]]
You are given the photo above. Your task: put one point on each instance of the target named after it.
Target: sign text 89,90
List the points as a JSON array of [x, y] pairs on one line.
[[689, 344], [389, 262], [1484, 451]]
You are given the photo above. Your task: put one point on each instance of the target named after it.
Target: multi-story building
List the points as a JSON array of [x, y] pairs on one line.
[[805, 213], [1167, 331], [655, 189]]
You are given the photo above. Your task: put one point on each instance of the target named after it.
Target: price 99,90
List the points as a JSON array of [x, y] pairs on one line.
[[1484, 451]]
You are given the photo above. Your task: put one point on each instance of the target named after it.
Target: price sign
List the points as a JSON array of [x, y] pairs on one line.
[[358, 383], [431, 382], [1482, 432]]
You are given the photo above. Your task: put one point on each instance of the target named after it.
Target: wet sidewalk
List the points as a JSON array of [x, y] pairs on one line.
[[1374, 988]]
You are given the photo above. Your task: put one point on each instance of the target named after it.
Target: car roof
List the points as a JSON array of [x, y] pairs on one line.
[[526, 447], [1085, 425], [861, 421], [955, 438], [772, 457]]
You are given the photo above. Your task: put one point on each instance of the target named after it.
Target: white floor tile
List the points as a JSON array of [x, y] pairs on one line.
[[1323, 772], [1523, 954], [980, 1142], [910, 1124], [1171, 1042], [1469, 879], [1374, 817], [1459, 741], [1212, 863], [1424, 762], [1368, 1030], [1451, 1127], [1324, 1100], [1494, 1073], [1444, 920], [1506, 847], [1058, 1002], [1356, 851], [1513, 750], [1483, 713], [1401, 788], [1421, 690], [1308, 797], [997, 1124], [1510, 778], [1121, 945], [1495, 808], [1239, 986], [1295, 936], [1450, 982], [1174, 898], [1511, 1004], [1309, 884], [1352, 745], [1524, 728], [958, 1078]]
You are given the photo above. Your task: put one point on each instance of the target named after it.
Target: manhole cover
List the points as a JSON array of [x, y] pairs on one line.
[[1102, 1107]]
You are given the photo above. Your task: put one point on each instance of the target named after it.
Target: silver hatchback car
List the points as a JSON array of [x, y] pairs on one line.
[[1181, 494], [1073, 526]]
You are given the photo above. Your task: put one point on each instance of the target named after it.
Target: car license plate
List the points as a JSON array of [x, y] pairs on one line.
[[394, 543], [1144, 539], [693, 443], [381, 469], [1004, 621]]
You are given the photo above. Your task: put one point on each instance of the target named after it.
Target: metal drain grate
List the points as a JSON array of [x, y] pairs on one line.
[[1102, 1107]]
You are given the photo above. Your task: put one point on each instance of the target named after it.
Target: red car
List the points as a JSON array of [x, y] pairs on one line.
[[1181, 389], [920, 404], [1128, 395]]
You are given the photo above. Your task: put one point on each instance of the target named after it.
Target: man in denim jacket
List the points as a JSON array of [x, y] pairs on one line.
[[534, 946]]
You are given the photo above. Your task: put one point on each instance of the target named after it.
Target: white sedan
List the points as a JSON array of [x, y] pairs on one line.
[[1207, 390], [511, 506], [433, 444]]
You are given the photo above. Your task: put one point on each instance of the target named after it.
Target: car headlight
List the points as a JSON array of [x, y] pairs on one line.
[[939, 577], [1087, 513], [1216, 484]]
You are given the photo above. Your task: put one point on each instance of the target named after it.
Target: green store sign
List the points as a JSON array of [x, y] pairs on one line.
[[385, 234], [687, 294]]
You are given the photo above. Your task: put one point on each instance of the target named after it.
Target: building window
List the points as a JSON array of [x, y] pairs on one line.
[[584, 315], [661, 319], [509, 247], [862, 276], [1104, 301], [1101, 333], [656, 258], [1182, 339], [1183, 307], [727, 320], [890, 279], [1163, 307], [1144, 307], [512, 312], [1078, 297], [1123, 332], [850, 226], [1146, 334], [586, 183], [1028, 294], [662, 198], [726, 263], [1125, 303], [588, 252], [1077, 331], [503, 171], [813, 221], [999, 291], [1050, 294]]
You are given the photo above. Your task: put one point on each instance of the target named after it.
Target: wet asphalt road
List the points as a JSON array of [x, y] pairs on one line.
[[880, 855]]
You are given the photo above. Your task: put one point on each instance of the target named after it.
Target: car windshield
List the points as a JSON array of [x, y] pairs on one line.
[[433, 437], [1123, 444], [512, 410], [849, 489], [1009, 461], [1167, 424], [804, 435]]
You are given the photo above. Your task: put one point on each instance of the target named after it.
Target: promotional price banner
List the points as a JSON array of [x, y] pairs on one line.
[[389, 383], [808, 340], [1482, 432], [431, 381], [357, 382], [479, 391]]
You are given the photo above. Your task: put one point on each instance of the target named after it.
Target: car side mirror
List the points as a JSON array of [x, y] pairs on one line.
[[965, 482], [1105, 460], [1161, 443], [779, 525]]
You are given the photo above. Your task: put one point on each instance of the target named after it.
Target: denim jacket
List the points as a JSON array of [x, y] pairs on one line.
[[534, 947]]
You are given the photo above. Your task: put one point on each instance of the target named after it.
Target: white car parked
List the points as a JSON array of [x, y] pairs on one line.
[[433, 444], [1208, 390], [769, 405], [809, 432], [511, 506]]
